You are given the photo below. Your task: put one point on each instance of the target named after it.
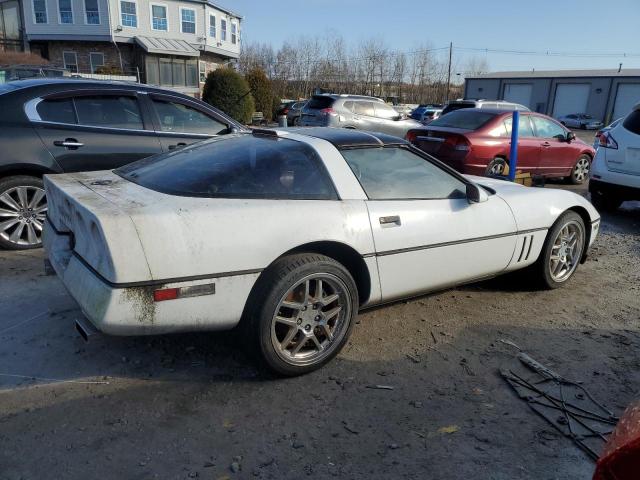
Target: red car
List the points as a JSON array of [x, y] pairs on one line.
[[477, 141]]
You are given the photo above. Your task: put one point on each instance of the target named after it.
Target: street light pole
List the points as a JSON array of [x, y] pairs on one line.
[[449, 73]]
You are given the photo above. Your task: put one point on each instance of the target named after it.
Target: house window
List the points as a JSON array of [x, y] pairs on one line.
[[97, 60], [234, 33], [129, 14], [169, 71], [223, 30], [188, 17], [70, 60], [202, 71], [40, 11], [92, 12], [159, 17], [66, 12], [212, 26]]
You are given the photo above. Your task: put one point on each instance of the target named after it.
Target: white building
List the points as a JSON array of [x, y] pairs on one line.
[[172, 43]]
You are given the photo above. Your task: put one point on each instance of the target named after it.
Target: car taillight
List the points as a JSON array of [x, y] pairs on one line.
[[411, 136], [458, 142], [285, 111], [328, 111], [607, 141]]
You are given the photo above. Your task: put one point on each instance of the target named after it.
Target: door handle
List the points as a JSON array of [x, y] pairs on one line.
[[70, 143], [546, 144], [390, 220], [177, 145]]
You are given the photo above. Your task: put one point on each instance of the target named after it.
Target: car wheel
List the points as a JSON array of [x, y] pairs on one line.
[[583, 126], [562, 250], [580, 171], [496, 167], [296, 121], [302, 313], [606, 203], [23, 207]]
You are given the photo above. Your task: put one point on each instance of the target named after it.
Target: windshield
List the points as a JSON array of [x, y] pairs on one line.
[[236, 166], [465, 119]]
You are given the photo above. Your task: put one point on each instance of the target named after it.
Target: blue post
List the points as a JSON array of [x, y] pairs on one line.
[[513, 155]]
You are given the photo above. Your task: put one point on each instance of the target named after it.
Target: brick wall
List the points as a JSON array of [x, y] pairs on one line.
[[83, 49]]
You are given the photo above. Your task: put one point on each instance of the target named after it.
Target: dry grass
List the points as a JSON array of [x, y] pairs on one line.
[[21, 58]]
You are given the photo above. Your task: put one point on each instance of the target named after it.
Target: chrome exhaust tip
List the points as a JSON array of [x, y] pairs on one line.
[[86, 329]]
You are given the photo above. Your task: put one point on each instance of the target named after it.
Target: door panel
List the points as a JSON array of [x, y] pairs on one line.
[[438, 243], [557, 157], [94, 131], [528, 144]]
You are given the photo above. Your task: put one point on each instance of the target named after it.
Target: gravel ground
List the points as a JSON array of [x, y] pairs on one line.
[[194, 406]]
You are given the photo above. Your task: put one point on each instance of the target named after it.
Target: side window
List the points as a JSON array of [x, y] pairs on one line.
[[178, 118], [57, 110], [113, 111], [349, 106], [363, 108], [548, 129], [395, 173], [385, 111], [524, 126]]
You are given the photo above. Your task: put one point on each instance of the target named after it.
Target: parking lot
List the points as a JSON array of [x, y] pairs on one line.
[[417, 389]]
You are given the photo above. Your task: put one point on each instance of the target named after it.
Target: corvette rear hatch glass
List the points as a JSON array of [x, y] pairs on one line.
[[236, 166]]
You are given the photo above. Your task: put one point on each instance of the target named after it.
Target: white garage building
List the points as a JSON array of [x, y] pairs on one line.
[[604, 94]]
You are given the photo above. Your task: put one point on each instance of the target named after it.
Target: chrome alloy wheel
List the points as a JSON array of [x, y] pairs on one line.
[[311, 319], [581, 170], [22, 213], [497, 168], [566, 251]]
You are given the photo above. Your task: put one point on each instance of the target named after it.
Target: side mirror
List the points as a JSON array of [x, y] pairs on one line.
[[476, 194], [571, 137]]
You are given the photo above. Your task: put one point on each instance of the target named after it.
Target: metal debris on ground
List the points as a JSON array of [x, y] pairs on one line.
[[565, 404], [380, 387]]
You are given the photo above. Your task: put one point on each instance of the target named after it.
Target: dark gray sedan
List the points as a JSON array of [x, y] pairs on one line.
[[59, 126]]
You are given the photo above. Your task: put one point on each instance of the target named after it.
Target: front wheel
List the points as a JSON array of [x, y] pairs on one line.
[[580, 170], [562, 250], [302, 313], [496, 167], [23, 207]]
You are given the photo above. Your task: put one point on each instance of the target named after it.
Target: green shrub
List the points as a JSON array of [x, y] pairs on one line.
[[227, 90], [261, 91]]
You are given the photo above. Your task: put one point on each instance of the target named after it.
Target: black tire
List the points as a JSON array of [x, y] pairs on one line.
[[542, 267], [296, 121], [265, 303], [580, 171], [8, 187], [583, 126], [605, 203], [497, 166]]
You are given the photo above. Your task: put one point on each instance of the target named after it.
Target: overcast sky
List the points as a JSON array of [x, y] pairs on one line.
[[571, 26]]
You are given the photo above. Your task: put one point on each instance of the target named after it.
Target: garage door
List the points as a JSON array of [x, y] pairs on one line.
[[518, 93], [627, 97], [571, 98]]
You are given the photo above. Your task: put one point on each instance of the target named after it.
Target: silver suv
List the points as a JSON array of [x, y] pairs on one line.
[[355, 111], [501, 104]]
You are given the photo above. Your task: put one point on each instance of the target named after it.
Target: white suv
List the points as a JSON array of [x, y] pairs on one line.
[[615, 172]]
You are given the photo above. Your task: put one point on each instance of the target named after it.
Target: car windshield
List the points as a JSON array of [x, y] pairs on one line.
[[236, 166], [465, 119]]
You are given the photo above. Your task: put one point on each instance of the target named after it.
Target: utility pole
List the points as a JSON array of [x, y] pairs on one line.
[[449, 74]]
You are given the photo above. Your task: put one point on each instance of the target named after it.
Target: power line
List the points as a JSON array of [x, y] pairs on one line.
[[550, 53]]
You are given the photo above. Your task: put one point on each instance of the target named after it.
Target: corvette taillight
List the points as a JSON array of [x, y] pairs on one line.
[[607, 141]]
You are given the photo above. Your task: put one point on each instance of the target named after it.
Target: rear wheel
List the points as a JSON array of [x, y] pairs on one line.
[[296, 121], [23, 207], [302, 313], [562, 250], [580, 171], [496, 167], [606, 203]]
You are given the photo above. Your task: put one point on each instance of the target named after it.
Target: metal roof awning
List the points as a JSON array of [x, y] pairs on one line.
[[167, 46]]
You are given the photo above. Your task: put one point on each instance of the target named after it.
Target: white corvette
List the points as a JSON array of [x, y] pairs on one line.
[[288, 233]]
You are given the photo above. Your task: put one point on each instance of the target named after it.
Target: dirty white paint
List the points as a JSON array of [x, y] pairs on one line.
[[128, 233]]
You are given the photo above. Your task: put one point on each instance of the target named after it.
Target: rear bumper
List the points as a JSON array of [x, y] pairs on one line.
[[131, 309], [623, 192]]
